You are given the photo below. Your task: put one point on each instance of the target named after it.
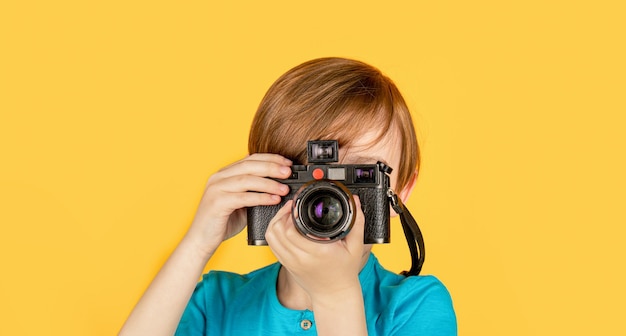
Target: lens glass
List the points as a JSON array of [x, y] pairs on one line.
[[326, 211]]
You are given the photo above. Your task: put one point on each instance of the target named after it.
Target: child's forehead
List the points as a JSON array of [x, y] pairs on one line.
[[361, 158], [371, 140], [373, 154], [371, 148]]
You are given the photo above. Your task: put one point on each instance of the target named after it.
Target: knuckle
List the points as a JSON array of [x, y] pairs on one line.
[[212, 179], [259, 198], [239, 179], [277, 187], [262, 198]]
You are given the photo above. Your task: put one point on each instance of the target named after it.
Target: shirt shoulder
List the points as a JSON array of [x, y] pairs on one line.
[[414, 305], [216, 294], [426, 305], [228, 282]]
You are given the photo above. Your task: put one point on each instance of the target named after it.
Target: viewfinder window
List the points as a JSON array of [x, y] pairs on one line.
[[364, 175]]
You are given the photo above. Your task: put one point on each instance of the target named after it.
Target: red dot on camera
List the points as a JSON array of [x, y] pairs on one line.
[[318, 174]]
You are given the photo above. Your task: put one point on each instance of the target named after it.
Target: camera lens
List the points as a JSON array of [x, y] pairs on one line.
[[323, 210], [326, 211]]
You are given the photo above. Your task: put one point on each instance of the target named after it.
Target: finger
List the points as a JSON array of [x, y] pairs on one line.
[[251, 199], [277, 158], [226, 203], [274, 234], [284, 230], [277, 223], [255, 168], [250, 183], [271, 165]]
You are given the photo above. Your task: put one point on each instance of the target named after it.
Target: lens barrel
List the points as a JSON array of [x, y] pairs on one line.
[[324, 210]]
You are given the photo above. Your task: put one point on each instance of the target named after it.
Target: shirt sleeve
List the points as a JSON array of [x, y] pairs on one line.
[[193, 321], [205, 311]]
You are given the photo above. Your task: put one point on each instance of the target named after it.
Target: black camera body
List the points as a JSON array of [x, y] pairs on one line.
[[323, 208]]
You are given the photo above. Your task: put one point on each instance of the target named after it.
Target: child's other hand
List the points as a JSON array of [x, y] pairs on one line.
[[323, 270], [245, 183]]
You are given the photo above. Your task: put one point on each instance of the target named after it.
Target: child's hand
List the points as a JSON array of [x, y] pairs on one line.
[[221, 213], [323, 270]]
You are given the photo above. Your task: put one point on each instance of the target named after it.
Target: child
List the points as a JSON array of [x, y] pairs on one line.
[[336, 288]]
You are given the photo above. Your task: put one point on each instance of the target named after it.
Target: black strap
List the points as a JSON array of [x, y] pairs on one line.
[[413, 235]]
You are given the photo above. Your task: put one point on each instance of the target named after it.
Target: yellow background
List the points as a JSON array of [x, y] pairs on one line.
[[115, 113]]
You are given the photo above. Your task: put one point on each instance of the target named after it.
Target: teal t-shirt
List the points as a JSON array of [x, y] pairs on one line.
[[232, 304]]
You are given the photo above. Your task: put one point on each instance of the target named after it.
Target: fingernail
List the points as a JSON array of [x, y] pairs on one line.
[[285, 170]]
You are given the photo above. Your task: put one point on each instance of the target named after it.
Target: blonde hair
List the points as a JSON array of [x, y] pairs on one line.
[[333, 99]]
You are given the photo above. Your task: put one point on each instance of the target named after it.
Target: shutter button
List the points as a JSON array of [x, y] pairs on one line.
[[306, 324], [318, 174]]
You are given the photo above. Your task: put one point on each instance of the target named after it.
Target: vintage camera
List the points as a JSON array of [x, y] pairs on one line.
[[323, 208]]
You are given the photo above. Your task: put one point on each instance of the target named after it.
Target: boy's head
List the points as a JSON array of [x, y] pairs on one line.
[[334, 99]]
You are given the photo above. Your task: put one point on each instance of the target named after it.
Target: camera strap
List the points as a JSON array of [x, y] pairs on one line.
[[412, 232]]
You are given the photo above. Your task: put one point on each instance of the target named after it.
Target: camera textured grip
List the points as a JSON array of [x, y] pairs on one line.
[[258, 219], [375, 206]]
